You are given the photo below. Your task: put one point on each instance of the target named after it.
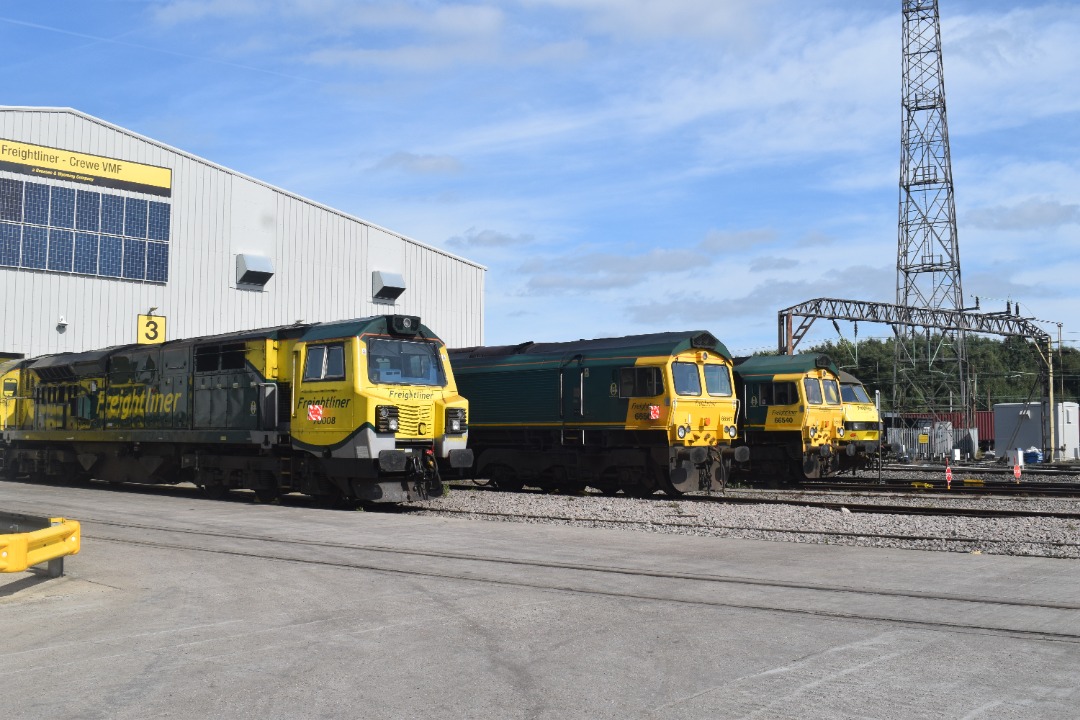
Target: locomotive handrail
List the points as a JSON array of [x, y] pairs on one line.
[[37, 540]]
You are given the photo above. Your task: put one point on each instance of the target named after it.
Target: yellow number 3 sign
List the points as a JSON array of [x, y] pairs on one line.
[[151, 329]]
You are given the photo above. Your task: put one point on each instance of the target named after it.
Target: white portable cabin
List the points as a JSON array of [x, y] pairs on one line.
[[1024, 425]]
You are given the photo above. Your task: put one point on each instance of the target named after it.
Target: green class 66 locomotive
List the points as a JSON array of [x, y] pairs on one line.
[[638, 414], [363, 409], [792, 416]]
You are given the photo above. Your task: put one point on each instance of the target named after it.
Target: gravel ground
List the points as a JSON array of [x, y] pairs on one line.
[[1042, 537]]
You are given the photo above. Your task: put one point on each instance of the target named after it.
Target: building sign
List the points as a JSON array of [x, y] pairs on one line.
[[151, 329], [49, 162]]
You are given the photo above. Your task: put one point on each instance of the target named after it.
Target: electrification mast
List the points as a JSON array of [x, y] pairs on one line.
[[930, 371]]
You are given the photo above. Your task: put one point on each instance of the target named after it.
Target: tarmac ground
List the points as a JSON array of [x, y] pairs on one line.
[[183, 607]]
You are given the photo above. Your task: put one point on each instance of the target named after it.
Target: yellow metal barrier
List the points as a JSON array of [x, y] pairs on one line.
[[22, 550]]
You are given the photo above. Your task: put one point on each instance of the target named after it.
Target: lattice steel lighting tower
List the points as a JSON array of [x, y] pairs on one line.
[[930, 371]]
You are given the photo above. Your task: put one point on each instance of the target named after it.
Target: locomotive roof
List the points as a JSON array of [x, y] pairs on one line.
[[768, 365], [309, 331], [302, 331], [667, 343]]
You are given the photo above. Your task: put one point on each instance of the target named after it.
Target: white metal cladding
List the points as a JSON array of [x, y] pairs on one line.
[[323, 258]]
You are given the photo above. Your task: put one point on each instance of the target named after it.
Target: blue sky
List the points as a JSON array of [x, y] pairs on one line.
[[620, 166]]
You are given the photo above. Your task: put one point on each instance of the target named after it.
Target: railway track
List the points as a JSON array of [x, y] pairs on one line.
[[841, 505], [954, 543], [1032, 470], [959, 485]]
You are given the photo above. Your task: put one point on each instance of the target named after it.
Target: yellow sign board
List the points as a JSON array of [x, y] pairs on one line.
[[151, 330], [79, 167], [924, 439]]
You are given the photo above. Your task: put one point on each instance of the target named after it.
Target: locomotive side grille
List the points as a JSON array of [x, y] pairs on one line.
[[411, 417]]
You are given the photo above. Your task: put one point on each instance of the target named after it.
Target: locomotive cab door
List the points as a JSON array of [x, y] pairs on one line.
[[572, 398], [572, 389]]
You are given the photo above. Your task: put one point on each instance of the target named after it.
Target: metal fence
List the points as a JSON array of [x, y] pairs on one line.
[[938, 441]]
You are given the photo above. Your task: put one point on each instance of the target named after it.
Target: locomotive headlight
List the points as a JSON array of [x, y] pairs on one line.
[[386, 418], [455, 420], [681, 432], [730, 430], [813, 430], [840, 432]]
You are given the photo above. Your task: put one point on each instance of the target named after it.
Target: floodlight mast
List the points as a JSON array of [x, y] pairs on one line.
[[928, 253], [929, 293]]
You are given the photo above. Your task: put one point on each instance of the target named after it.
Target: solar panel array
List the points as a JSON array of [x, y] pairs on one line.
[[61, 229]]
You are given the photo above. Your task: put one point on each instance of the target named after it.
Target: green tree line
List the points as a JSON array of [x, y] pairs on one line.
[[1008, 370]]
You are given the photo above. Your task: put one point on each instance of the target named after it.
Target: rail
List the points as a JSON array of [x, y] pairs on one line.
[[34, 540]]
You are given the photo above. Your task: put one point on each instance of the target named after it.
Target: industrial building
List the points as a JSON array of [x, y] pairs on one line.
[[100, 225]]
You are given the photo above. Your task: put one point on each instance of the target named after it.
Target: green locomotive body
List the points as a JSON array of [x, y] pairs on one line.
[[792, 416], [637, 413]]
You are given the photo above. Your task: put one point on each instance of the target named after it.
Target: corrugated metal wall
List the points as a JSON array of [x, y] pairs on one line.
[[323, 259]]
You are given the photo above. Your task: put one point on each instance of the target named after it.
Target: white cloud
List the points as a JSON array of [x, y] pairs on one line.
[[488, 238], [1027, 215], [678, 18], [1003, 69], [768, 263], [419, 164], [193, 11]]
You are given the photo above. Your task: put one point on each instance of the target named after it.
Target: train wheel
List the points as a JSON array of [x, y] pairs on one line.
[[267, 496], [215, 491], [504, 477], [267, 490]]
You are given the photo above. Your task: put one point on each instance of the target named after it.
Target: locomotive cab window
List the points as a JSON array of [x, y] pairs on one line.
[[640, 382], [325, 362], [405, 362], [854, 394], [686, 378], [813, 391], [832, 393], [774, 393], [717, 380], [10, 387]]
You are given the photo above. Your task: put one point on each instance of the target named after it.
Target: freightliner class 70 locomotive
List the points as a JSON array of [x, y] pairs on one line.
[[792, 416], [363, 409], [639, 413]]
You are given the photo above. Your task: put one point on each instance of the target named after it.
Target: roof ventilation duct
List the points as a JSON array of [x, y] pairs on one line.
[[386, 286], [253, 271]]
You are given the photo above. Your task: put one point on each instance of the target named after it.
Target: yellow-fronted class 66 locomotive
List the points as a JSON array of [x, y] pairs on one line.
[[792, 416], [363, 409], [638, 413]]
